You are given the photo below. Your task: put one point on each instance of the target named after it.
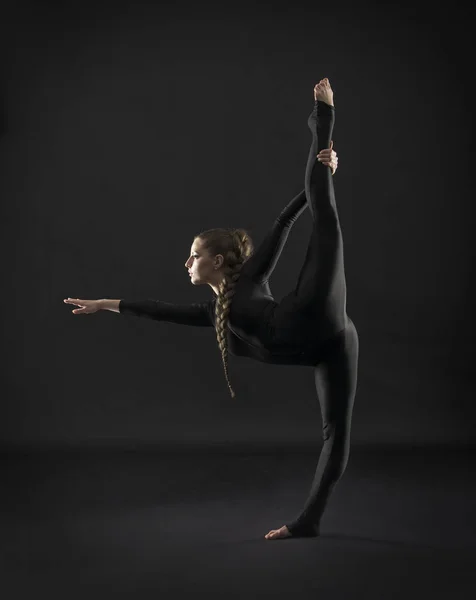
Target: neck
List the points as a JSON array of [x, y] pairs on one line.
[[215, 285]]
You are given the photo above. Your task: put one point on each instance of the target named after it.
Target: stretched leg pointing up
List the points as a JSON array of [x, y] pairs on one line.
[[321, 289]]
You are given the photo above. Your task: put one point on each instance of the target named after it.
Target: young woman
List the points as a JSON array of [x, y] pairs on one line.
[[310, 325]]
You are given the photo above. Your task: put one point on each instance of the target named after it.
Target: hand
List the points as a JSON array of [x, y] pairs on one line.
[[88, 307], [329, 158]]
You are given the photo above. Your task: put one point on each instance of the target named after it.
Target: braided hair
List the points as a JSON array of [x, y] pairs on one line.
[[236, 247]]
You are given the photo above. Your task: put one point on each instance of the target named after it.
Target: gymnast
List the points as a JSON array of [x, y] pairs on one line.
[[308, 327]]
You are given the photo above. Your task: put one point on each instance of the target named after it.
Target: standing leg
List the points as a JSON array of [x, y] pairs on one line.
[[336, 383]]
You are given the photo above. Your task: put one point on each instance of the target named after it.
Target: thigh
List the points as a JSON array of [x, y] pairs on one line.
[[292, 327], [321, 290], [305, 327]]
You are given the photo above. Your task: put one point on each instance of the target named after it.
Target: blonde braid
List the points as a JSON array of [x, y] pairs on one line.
[[234, 261]]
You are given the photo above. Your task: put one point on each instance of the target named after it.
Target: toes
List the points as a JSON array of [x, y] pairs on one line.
[[270, 534], [275, 533], [278, 533]]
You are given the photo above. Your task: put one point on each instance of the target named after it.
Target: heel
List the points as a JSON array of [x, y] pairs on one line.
[[306, 530]]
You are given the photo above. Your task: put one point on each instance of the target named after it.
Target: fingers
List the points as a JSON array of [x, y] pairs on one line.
[[327, 154], [328, 158], [76, 302]]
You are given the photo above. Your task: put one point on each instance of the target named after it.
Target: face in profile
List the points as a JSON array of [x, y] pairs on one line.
[[200, 264]]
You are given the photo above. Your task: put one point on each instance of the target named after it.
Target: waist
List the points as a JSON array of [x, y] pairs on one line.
[[303, 354]]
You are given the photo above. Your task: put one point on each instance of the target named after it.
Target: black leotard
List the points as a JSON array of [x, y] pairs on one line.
[[259, 327], [309, 326], [251, 324]]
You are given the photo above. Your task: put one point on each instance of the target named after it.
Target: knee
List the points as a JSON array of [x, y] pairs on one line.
[[336, 434], [337, 447]]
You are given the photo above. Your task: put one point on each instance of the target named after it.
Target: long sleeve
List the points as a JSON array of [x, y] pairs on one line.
[[261, 264], [201, 315]]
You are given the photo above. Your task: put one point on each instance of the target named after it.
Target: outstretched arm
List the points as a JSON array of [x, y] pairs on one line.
[[201, 315], [198, 314]]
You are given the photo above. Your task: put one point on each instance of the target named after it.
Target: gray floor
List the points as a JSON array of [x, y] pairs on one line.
[[137, 523]]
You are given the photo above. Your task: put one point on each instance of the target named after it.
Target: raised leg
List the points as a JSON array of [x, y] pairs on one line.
[[321, 288]]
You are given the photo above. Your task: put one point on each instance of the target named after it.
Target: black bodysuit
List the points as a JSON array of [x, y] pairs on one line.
[[259, 327], [309, 326]]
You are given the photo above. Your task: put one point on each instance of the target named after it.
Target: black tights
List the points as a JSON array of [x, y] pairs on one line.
[[336, 383], [321, 295]]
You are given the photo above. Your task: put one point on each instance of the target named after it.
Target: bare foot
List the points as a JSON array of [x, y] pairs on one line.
[[323, 92], [275, 534]]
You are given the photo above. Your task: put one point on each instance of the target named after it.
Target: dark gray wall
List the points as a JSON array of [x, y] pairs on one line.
[[128, 129]]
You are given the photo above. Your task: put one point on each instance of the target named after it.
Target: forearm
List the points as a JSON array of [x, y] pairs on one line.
[[263, 261], [107, 304], [199, 314]]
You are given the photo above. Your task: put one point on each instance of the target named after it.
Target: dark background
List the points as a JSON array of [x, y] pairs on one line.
[[127, 129]]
